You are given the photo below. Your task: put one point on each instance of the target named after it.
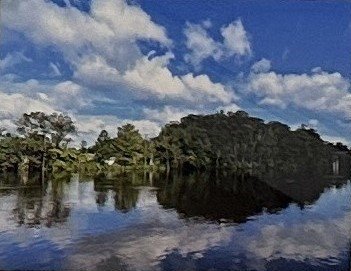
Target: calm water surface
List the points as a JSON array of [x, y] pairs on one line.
[[200, 222]]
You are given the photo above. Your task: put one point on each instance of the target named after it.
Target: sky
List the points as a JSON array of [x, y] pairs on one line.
[[148, 62]]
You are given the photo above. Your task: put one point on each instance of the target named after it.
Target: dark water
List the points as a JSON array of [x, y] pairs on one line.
[[203, 222]]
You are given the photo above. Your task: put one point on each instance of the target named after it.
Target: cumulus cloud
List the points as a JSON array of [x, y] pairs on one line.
[[109, 21], [127, 21], [154, 76], [18, 97], [168, 114], [235, 39], [102, 50], [202, 45], [109, 31], [15, 104], [69, 95], [95, 71], [327, 93], [319, 91], [151, 77], [63, 96], [89, 126], [203, 88], [12, 105], [264, 65]]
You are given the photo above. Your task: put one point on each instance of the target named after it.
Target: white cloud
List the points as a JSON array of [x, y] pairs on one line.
[[236, 40], [127, 21], [150, 123], [69, 95], [154, 76], [171, 113], [146, 127], [94, 70], [168, 114], [102, 50], [319, 91], [151, 77], [109, 21], [55, 71], [203, 88], [229, 108], [207, 23], [325, 133], [89, 126], [264, 65], [313, 123], [17, 98], [109, 31], [12, 59], [63, 96], [202, 45], [15, 104], [336, 139]]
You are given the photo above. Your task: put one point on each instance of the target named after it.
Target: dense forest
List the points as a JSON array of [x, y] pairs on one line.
[[221, 141]]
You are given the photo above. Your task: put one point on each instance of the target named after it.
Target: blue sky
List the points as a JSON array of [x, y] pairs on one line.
[[107, 62]]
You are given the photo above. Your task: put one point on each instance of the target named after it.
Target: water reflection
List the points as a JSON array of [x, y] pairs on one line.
[[196, 222], [221, 197], [123, 187]]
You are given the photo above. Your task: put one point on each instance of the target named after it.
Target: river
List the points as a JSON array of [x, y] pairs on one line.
[[197, 222]]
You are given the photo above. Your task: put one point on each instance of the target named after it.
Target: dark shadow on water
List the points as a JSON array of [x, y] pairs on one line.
[[227, 196], [221, 197]]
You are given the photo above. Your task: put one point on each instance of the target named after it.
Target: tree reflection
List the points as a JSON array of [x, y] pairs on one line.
[[123, 187], [36, 206], [223, 195], [211, 195], [58, 211], [125, 198], [29, 205]]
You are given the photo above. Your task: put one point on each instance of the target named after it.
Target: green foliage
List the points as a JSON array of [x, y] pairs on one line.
[[128, 149], [128, 145], [242, 143], [55, 126], [233, 141], [39, 134]]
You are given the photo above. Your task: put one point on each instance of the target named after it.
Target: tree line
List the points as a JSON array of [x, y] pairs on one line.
[[229, 141]]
